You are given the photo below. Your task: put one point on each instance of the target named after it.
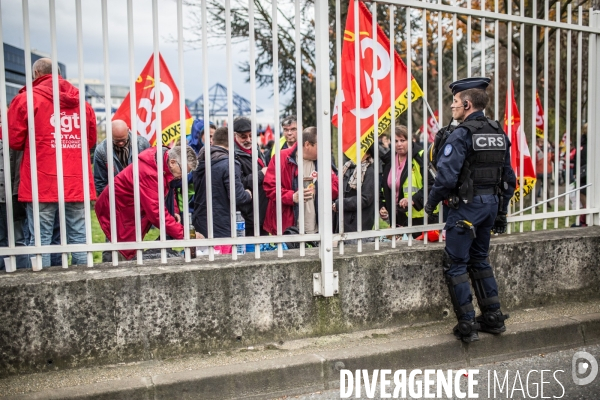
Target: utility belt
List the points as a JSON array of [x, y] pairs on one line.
[[455, 196]]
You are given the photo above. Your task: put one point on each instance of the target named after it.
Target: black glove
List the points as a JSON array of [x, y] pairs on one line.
[[500, 223], [429, 208]]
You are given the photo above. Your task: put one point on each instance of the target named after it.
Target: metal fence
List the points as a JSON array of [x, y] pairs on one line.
[[546, 49]]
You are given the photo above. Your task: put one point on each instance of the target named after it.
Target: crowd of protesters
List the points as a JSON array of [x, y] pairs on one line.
[[254, 179]]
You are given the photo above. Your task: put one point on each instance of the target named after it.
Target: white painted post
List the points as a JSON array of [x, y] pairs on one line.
[[593, 163], [324, 146]]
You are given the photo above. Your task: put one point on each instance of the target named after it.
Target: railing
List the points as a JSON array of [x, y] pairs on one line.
[[432, 26]]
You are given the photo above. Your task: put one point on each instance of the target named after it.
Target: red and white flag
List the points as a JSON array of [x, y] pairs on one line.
[[374, 99], [518, 146], [539, 116], [267, 135], [432, 127], [148, 105]]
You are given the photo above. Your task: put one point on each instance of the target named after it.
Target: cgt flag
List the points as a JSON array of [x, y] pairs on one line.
[[147, 105], [373, 99], [539, 116], [518, 145], [431, 128]]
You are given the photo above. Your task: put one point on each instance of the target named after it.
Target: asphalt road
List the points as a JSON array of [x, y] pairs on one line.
[[542, 376]]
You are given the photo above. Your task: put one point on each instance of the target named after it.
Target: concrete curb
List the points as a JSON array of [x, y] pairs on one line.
[[312, 372]]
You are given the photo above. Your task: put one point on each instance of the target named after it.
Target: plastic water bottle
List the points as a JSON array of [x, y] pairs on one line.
[[192, 236], [240, 229]]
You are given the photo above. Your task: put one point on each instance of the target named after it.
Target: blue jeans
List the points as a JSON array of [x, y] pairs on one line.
[[75, 226], [22, 260]]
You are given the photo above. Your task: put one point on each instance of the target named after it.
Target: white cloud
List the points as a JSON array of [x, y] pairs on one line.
[[93, 51]]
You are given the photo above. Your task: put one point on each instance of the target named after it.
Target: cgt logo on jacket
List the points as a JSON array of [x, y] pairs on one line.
[[68, 123]]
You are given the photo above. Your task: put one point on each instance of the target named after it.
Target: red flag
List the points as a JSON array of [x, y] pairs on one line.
[[268, 135], [518, 145], [539, 116], [147, 107], [432, 127], [372, 100]]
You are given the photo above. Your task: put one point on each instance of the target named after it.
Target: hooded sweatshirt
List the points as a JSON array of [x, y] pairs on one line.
[[45, 143]]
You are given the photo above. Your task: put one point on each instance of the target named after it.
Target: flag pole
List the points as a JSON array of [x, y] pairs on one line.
[[431, 112]]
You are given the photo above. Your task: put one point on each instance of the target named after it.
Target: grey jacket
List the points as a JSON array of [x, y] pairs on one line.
[[101, 162]]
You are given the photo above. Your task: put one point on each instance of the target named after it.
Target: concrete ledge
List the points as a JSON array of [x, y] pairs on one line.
[[58, 319], [271, 378]]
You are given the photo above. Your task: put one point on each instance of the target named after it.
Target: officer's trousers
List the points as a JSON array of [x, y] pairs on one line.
[[463, 249]]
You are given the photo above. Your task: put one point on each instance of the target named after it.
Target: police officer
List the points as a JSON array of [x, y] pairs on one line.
[[476, 181]]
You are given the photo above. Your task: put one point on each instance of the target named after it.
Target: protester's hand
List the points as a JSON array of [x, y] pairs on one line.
[[500, 223], [429, 208], [177, 218], [383, 213], [309, 193], [249, 192], [333, 207], [403, 203], [264, 170], [199, 235]]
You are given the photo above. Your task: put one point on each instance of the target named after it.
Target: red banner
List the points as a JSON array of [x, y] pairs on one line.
[[518, 146], [375, 99], [539, 116], [432, 127], [147, 105], [267, 136]]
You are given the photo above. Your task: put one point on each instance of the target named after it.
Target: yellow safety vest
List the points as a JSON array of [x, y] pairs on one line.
[[282, 141], [417, 184]]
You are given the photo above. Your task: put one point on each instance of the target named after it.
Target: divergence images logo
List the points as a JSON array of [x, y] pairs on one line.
[[584, 364]]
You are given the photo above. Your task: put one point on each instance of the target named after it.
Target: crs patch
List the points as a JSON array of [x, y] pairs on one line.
[[489, 141], [447, 149]]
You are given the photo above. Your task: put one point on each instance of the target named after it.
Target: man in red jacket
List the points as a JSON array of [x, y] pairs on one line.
[[45, 147], [292, 193], [149, 196]]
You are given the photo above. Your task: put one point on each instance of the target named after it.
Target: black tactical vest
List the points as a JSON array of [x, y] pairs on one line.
[[485, 158]]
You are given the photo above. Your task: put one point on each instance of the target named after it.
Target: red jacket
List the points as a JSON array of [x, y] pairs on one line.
[[43, 109], [289, 185], [124, 203]]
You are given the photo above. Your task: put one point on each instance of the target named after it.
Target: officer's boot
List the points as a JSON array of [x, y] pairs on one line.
[[466, 329], [491, 319]]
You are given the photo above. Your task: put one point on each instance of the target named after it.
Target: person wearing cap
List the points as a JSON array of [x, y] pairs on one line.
[[476, 181], [242, 128]]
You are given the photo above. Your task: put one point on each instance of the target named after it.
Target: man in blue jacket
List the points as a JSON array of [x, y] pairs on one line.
[[219, 173]]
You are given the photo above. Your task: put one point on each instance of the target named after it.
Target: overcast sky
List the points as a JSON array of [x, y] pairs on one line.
[[39, 20]]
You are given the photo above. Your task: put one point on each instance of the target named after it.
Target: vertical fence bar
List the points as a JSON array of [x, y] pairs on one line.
[[36, 263], [469, 50], [375, 138], [358, 110], [425, 133], [252, 65], [6, 154], [109, 146], [278, 205], [134, 135], [593, 163], [182, 132], [58, 135], [391, 208], [209, 198], [496, 63], [568, 119], [509, 110], [557, 98], [158, 130], [579, 112], [299, 126], [409, 158], [545, 168], [229, 62], [85, 165], [324, 144], [440, 92], [534, 79], [454, 44], [338, 53], [522, 138], [482, 40]]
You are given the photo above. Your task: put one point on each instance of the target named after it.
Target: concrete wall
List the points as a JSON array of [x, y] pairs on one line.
[[87, 316]]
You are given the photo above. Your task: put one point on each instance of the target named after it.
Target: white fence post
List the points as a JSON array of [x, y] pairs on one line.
[[593, 163], [326, 278]]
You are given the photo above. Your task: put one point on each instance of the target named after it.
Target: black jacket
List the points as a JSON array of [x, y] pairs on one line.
[[245, 161], [219, 165], [351, 201]]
